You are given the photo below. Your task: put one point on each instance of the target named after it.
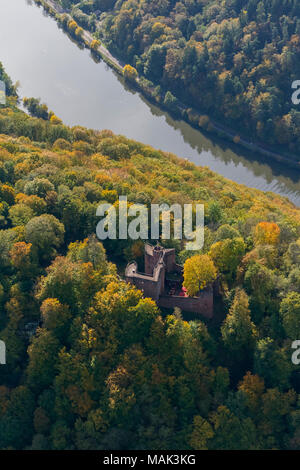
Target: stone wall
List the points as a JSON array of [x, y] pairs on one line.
[[151, 285], [202, 305]]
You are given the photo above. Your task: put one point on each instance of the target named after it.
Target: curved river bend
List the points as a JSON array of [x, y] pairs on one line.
[[49, 65]]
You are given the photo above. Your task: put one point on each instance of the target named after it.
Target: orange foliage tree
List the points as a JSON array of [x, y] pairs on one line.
[[267, 233]]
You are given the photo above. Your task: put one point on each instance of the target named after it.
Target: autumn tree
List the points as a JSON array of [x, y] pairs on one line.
[[202, 433], [253, 387], [267, 233], [56, 317], [90, 250], [130, 73], [95, 44], [199, 272], [232, 431], [72, 26], [227, 255], [23, 260], [73, 284]]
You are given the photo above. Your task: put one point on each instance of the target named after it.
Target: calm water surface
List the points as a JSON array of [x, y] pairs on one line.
[[50, 66]]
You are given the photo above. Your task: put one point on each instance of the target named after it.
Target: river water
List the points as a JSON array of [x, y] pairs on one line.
[[50, 66]]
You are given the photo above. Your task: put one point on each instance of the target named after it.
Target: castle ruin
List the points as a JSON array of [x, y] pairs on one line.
[[162, 281]]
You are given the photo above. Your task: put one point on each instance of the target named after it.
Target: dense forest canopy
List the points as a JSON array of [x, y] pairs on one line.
[[91, 364], [234, 60]]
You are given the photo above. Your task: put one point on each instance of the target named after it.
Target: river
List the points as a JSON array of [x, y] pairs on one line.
[[48, 65]]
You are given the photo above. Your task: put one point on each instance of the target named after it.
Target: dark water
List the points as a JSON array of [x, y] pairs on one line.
[[50, 66]]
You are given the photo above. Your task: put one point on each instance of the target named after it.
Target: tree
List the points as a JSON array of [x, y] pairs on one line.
[[260, 284], [202, 432], [199, 272], [276, 409], [72, 26], [226, 232], [154, 65], [41, 421], [130, 73], [267, 233], [20, 214], [290, 314], [214, 212], [272, 363], [38, 187], [22, 259], [253, 387], [16, 427], [227, 255], [89, 251], [74, 284], [35, 108], [43, 356], [293, 252], [7, 194], [232, 432], [55, 120], [238, 331], [45, 233], [170, 101], [95, 44], [79, 33], [56, 318]]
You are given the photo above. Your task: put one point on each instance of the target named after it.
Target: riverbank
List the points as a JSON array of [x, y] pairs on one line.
[[178, 109]]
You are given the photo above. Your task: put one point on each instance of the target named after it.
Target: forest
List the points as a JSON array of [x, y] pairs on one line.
[[91, 363], [234, 61]]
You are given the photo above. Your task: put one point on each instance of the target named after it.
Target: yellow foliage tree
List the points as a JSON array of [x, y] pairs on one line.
[[79, 32], [130, 73], [199, 271], [72, 26], [202, 432], [157, 29], [55, 120], [95, 44], [267, 233]]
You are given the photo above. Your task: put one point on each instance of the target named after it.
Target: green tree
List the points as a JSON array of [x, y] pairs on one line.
[[290, 314], [272, 363], [238, 331], [46, 234], [227, 255], [43, 353], [202, 432]]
